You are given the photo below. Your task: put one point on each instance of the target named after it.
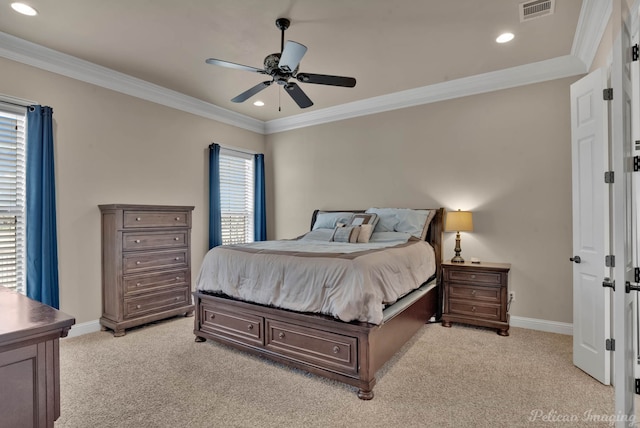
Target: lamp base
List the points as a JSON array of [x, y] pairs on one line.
[[457, 259]]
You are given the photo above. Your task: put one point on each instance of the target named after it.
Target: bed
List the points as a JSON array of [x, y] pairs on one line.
[[335, 338]]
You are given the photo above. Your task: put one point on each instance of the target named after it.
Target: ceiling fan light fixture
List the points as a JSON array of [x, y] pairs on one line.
[[24, 9], [505, 37]]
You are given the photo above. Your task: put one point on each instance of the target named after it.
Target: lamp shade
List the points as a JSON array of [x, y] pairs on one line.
[[459, 221]]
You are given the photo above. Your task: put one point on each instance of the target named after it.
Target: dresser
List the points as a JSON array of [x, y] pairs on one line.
[[146, 264], [29, 361], [476, 294]]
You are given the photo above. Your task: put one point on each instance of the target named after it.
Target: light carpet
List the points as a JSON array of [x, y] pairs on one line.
[[157, 376]]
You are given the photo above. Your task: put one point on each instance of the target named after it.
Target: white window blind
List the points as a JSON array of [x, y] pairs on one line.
[[12, 197], [236, 196]]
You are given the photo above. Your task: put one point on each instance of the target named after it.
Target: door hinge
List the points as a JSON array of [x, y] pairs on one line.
[[635, 51], [609, 177], [607, 94], [610, 344], [610, 261], [636, 274], [636, 163], [638, 386], [608, 283]]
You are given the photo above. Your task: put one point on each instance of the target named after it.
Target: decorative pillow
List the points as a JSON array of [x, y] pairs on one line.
[[328, 220], [365, 233], [363, 218], [346, 234]]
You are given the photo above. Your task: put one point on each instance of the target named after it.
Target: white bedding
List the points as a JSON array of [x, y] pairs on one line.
[[349, 281]]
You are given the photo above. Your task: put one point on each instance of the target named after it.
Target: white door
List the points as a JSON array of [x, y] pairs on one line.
[[622, 194], [589, 158]]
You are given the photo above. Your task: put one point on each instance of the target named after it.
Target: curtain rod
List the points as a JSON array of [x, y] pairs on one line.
[[233, 149]]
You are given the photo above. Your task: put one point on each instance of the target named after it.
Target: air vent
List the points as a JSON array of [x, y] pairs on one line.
[[535, 9]]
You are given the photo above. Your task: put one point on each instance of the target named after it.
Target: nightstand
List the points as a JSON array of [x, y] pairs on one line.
[[476, 293]]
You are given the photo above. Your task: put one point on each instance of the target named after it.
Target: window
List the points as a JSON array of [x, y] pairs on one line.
[[12, 197], [236, 196]]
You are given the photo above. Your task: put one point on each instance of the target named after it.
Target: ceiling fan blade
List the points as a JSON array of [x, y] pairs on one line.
[[291, 56], [325, 79], [298, 95], [251, 92], [228, 64]]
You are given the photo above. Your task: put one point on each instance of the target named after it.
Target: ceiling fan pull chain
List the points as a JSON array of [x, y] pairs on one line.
[[279, 93]]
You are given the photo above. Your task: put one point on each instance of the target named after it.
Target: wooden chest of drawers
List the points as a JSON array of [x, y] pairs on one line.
[[146, 264], [476, 294]]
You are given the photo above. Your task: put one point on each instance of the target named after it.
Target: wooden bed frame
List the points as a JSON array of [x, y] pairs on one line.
[[348, 352]]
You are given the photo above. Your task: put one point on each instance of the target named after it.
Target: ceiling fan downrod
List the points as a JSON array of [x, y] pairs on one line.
[[282, 24]]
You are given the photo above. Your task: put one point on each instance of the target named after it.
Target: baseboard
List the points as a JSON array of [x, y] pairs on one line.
[[542, 325], [84, 328]]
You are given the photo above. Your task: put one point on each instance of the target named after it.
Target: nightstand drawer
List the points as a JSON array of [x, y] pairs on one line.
[[474, 276], [480, 294], [473, 309]]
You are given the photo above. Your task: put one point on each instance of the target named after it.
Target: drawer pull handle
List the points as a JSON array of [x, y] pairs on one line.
[[473, 309], [138, 306], [281, 335], [473, 277], [176, 238], [473, 292], [137, 241], [250, 327], [138, 262], [177, 218], [336, 349], [138, 218]]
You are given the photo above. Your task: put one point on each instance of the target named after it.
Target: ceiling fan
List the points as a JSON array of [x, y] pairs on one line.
[[284, 66]]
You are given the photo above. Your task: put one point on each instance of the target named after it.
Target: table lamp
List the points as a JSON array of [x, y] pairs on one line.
[[458, 221]]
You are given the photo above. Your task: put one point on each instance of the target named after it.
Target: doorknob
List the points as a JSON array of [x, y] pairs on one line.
[[575, 259]]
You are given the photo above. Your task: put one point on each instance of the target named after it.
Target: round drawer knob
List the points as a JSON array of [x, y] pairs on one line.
[[336, 349], [281, 335], [137, 241], [250, 327], [473, 309], [138, 306], [473, 292], [178, 278], [176, 239], [473, 277], [177, 218], [138, 218], [212, 316], [177, 298], [137, 284], [138, 262], [177, 258]]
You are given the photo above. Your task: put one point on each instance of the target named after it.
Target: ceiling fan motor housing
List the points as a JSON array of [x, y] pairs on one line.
[[279, 75]]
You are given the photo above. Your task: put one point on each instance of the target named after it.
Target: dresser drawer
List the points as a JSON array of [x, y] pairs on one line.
[[479, 294], [474, 309], [155, 219], [475, 277], [149, 240], [155, 282], [312, 346], [146, 261], [155, 302], [238, 326]]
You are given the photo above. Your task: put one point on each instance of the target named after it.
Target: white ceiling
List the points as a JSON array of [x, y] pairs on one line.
[[387, 46]]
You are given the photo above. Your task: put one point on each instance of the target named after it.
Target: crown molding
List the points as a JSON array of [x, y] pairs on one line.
[[29, 53], [556, 68], [594, 16]]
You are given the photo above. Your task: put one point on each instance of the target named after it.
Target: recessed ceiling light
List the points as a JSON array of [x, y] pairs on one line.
[[505, 37], [258, 103], [24, 9]]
